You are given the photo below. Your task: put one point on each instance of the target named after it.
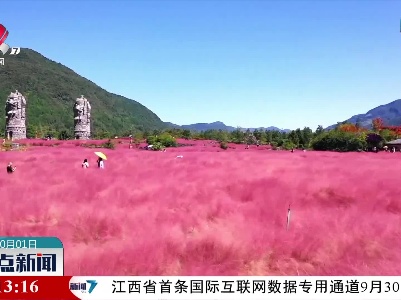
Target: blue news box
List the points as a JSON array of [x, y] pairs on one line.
[[31, 256]]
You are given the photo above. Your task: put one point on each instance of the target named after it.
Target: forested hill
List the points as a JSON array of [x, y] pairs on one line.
[[220, 126], [51, 90], [390, 113]]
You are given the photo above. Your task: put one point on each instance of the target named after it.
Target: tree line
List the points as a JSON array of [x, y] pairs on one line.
[[344, 137]]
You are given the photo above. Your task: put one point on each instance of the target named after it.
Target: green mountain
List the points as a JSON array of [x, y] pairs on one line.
[[390, 113], [220, 126], [51, 89]]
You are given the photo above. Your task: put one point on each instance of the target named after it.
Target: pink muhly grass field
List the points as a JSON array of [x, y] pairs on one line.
[[209, 213]]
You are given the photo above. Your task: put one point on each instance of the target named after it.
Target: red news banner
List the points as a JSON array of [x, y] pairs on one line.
[[36, 287]]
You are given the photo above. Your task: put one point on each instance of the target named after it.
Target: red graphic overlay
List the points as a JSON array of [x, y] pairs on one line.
[[3, 34], [36, 287]]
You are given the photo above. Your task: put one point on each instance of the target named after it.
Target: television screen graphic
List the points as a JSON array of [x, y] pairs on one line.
[[200, 150]]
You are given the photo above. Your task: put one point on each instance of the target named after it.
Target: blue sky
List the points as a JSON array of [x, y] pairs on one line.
[[247, 63]]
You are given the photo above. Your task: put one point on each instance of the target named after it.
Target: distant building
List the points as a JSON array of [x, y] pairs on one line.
[[395, 143]]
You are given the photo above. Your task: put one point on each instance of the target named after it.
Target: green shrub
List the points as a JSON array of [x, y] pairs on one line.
[[288, 145], [223, 145], [167, 140], [151, 140], [109, 145], [64, 135], [92, 145], [157, 146], [7, 146], [164, 139], [339, 141]]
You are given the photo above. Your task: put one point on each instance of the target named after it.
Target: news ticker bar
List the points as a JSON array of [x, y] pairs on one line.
[[201, 287], [31, 256]]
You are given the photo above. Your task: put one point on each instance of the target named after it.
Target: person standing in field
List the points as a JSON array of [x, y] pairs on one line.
[[130, 142], [85, 164], [10, 168], [100, 163]]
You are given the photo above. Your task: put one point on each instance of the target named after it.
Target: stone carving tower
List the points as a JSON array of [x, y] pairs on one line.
[[82, 121], [15, 116]]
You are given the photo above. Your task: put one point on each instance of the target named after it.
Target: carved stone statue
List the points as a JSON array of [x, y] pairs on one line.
[[82, 119], [15, 116]]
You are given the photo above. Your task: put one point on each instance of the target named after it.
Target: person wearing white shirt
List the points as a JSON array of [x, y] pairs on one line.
[[85, 164], [100, 163]]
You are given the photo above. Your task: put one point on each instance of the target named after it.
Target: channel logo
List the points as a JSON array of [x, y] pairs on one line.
[[82, 286], [3, 46]]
